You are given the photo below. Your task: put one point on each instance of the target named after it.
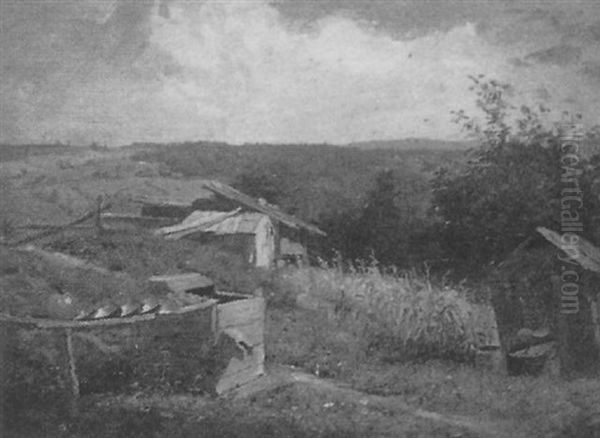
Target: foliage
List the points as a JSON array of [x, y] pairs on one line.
[[391, 224], [315, 182], [262, 183], [511, 185]]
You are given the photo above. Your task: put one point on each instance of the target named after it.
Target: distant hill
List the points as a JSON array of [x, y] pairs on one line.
[[413, 143]]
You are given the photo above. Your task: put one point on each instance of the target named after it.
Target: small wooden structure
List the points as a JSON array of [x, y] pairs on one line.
[[213, 346], [548, 305], [247, 233], [206, 200], [488, 353], [587, 256]]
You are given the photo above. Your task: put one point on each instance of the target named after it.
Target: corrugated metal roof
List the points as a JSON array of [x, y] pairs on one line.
[[215, 222], [197, 221], [243, 223]]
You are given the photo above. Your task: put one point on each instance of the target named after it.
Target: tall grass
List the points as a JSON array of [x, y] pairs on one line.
[[404, 312]]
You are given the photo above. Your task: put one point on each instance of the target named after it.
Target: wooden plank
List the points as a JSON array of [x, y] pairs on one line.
[[182, 282], [254, 359], [242, 371], [587, 255], [240, 311], [253, 332], [58, 323]]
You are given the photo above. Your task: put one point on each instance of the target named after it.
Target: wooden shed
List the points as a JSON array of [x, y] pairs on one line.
[[189, 210], [248, 233]]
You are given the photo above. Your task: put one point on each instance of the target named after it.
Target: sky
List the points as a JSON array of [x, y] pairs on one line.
[[338, 71]]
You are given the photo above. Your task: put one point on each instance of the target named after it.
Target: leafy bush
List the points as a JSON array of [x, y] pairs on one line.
[[514, 182]]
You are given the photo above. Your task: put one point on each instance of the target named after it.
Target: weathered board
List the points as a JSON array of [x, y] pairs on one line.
[[242, 371], [240, 311], [181, 283], [243, 320]]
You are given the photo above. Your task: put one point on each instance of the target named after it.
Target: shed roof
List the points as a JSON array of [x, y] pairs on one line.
[[184, 192], [197, 221], [215, 222], [243, 223], [270, 210]]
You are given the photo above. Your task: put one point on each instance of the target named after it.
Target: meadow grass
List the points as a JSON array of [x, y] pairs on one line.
[[406, 312], [348, 324]]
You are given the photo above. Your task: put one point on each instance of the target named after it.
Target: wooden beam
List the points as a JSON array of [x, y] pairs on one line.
[[586, 254]]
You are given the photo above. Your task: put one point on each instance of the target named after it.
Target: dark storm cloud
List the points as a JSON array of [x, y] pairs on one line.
[[49, 48], [244, 70], [402, 19]]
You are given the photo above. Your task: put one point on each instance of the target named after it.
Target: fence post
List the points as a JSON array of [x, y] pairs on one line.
[[69, 373]]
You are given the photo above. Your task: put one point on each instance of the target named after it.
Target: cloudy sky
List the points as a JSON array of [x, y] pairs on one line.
[[119, 71]]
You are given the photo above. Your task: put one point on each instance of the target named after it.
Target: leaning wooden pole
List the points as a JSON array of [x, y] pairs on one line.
[[89, 215], [99, 215], [71, 375]]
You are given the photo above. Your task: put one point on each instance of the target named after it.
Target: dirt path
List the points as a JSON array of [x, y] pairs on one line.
[[281, 376], [287, 402]]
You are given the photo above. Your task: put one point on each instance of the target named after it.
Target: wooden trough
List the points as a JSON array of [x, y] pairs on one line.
[[209, 347]]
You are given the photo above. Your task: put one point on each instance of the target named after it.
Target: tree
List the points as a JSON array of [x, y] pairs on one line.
[[388, 224], [513, 183], [510, 185]]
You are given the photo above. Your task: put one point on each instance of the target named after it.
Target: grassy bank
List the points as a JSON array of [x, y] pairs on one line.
[[402, 335]]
